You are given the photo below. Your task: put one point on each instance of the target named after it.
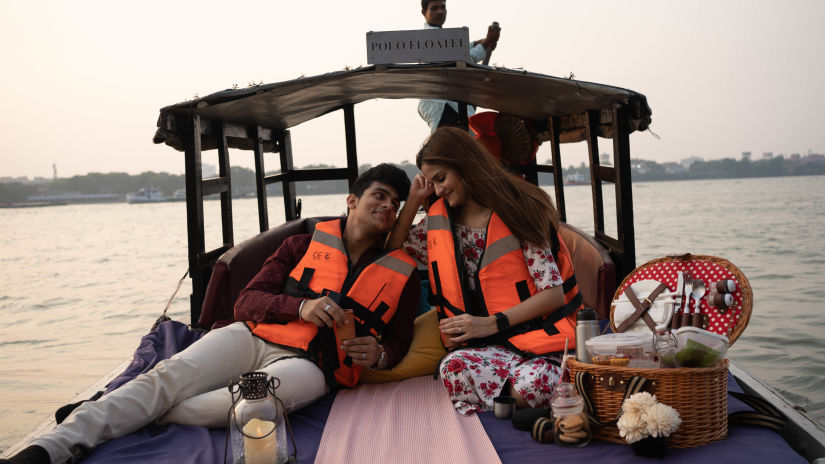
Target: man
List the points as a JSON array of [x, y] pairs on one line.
[[292, 307], [439, 113]]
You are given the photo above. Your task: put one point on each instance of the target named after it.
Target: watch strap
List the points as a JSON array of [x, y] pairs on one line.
[[502, 322]]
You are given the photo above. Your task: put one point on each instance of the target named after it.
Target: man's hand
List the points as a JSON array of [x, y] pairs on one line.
[[493, 33], [364, 351], [323, 312]]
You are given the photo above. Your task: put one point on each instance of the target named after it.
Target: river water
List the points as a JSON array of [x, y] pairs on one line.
[[80, 284]]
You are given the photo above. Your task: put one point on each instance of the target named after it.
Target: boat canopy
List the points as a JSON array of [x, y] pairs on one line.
[[531, 96], [259, 119]]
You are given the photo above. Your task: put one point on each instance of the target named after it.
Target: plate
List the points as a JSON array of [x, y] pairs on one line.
[[661, 311]]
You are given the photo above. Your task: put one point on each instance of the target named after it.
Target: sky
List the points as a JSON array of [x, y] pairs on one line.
[[82, 81]]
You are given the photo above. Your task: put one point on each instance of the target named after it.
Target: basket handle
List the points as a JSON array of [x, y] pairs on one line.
[[584, 379], [763, 415]]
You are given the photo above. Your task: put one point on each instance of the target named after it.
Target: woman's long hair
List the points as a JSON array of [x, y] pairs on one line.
[[526, 209]]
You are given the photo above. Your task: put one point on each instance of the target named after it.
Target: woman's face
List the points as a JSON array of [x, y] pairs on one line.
[[447, 183]]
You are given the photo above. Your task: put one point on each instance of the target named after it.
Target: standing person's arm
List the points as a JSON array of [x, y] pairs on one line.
[[478, 52], [480, 48]]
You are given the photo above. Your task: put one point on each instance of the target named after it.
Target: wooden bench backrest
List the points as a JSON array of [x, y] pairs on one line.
[[595, 272]]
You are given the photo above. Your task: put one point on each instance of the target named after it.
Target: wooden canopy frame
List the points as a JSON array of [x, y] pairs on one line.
[[259, 118]]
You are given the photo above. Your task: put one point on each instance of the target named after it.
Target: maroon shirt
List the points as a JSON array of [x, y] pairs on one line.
[[263, 301]]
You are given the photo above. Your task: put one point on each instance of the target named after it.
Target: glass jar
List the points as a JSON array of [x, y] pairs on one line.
[[665, 347], [257, 427], [571, 426]]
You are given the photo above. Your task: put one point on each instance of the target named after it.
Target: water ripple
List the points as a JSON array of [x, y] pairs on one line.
[[69, 306], [32, 342]]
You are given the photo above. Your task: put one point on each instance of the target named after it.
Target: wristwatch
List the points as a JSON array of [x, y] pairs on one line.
[[502, 322]]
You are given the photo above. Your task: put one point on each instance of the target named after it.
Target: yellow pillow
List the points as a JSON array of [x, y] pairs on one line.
[[422, 358]]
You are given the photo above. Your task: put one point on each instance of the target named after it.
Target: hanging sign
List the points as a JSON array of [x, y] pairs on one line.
[[418, 46]]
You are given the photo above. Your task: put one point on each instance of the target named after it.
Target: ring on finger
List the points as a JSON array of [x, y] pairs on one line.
[[364, 356], [326, 309], [460, 329]]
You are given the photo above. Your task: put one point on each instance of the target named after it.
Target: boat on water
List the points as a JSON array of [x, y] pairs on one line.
[[146, 195], [563, 111]]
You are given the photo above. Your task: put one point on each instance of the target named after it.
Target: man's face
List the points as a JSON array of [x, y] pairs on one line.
[[436, 13], [376, 209]]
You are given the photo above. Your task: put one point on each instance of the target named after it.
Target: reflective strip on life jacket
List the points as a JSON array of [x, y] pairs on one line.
[[503, 280]]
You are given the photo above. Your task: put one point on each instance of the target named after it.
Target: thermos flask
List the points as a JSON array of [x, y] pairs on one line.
[[587, 327]]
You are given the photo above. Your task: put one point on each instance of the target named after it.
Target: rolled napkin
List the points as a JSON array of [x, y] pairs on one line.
[[720, 300], [725, 286]]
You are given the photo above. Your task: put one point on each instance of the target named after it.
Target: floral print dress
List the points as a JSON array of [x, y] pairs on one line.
[[474, 376]]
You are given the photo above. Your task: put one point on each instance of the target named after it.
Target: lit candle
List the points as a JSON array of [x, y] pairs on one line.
[[263, 448]]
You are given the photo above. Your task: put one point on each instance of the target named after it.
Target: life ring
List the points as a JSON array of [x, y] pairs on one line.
[[509, 138]]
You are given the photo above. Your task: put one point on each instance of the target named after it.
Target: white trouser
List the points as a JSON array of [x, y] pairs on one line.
[[189, 388]]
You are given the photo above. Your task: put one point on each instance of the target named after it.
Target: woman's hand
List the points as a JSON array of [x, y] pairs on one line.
[[322, 312], [465, 327], [364, 351], [420, 189]]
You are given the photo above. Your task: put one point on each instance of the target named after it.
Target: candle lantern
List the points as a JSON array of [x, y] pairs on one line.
[[256, 421]]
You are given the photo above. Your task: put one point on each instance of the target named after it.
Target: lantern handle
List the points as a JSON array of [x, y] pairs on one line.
[[271, 385]]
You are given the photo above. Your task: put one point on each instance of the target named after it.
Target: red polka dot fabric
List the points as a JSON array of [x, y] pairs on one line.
[[665, 271]]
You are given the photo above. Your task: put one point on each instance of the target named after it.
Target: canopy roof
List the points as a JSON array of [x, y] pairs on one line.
[[520, 93]]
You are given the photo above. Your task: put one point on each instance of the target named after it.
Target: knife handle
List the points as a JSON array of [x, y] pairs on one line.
[[697, 316]]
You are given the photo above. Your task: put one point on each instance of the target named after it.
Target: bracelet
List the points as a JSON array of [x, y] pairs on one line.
[[300, 308], [380, 363]]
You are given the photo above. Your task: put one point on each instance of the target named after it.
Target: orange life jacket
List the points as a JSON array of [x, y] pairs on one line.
[[373, 293], [502, 281]]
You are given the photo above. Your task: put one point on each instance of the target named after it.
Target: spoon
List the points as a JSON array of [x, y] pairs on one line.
[[697, 293]]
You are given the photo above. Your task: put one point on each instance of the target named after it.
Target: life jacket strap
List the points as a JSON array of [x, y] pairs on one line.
[[371, 319], [300, 288], [436, 298], [523, 290], [549, 323], [328, 350], [568, 284]]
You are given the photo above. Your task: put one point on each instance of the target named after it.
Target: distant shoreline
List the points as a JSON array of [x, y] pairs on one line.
[[107, 188]]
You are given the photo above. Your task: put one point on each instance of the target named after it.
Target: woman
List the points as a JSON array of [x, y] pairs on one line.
[[500, 293]]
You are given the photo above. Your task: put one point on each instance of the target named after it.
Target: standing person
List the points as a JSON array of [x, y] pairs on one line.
[[289, 333], [501, 277], [438, 113]]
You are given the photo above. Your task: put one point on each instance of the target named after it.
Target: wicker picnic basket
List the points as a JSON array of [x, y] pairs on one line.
[[698, 394]]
